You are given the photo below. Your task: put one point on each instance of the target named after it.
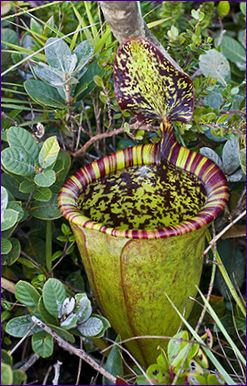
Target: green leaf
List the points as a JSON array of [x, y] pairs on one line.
[[211, 154], [54, 294], [61, 167], [84, 53], [12, 256], [46, 210], [18, 161], [223, 8], [215, 65], [63, 333], [51, 75], [46, 317], [233, 50], [147, 83], [42, 344], [6, 374], [19, 377], [26, 186], [58, 55], [49, 152], [69, 322], [4, 198], [17, 206], [176, 343], [20, 326], [27, 294], [19, 137], [6, 246], [243, 8], [45, 178], [92, 327], [44, 94], [230, 156], [114, 362], [10, 219], [43, 194], [83, 308], [6, 358]]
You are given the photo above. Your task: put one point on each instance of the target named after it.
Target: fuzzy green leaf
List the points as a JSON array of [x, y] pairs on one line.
[[42, 195], [42, 344], [44, 94], [6, 374], [6, 246], [45, 178], [20, 326], [17, 161], [10, 219], [215, 65], [54, 294], [19, 137], [92, 327], [12, 256], [49, 152], [27, 294], [114, 362], [46, 210], [233, 50], [58, 55]]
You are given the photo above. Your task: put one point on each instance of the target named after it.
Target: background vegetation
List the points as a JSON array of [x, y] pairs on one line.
[[59, 113]]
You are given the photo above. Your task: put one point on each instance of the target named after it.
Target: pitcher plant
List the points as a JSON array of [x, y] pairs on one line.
[[140, 215]]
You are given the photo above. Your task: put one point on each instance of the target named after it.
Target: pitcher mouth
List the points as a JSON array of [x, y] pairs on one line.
[[211, 177]]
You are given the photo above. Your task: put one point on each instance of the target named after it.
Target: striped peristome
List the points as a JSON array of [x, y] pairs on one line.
[[147, 84], [206, 171]]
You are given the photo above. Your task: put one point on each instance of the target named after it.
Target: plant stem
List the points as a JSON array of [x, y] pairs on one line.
[[48, 245], [73, 350]]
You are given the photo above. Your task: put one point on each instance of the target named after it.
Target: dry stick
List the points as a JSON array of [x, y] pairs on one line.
[[30, 362], [219, 235], [73, 350], [8, 285], [100, 136]]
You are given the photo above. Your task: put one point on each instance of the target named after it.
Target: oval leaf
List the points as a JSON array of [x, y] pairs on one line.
[[20, 326], [12, 256], [230, 156], [212, 155], [215, 65], [6, 246], [92, 327], [6, 371], [42, 344], [19, 137], [49, 152], [17, 161], [46, 210], [44, 94], [54, 294], [10, 219], [27, 294], [45, 179]]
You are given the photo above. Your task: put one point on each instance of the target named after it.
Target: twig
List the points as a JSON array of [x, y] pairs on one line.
[[8, 285], [73, 350], [57, 372], [47, 375], [30, 362], [79, 366], [219, 235], [107, 134]]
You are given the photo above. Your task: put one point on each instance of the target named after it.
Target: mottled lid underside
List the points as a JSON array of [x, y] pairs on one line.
[[148, 85]]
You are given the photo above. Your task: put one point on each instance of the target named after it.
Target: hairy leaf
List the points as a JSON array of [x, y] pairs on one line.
[[45, 178], [42, 344], [27, 294], [54, 294], [17, 161], [215, 65], [49, 152], [44, 94], [19, 137], [20, 326]]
